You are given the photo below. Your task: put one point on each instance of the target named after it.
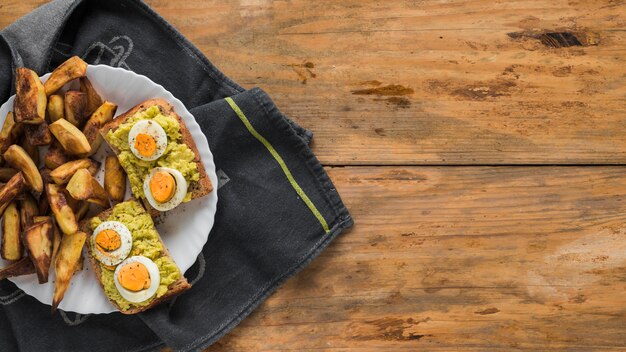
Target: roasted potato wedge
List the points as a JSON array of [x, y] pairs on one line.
[[9, 133], [83, 186], [31, 150], [30, 102], [62, 174], [103, 114], [71, 138], [56, 107], [56, 156], [6, 173], [93, 98], [37, 135], [68, 258], [12, 188], [114, 178], [11, 248], [64, 215], [38, 242], [72, 68], [28, 210], [22, 267], [17, 157], [75, 104]]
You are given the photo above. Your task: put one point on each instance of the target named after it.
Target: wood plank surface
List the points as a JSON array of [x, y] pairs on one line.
[[425, 82], [429, 82], [460, 258]]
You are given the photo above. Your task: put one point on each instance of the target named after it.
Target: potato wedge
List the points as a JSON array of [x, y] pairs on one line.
[[22, 267], [64, 215], [56, 156], [6, 173], [93, 98], [11, 248], [114, 178], [17, 157], [31, 150], [38, 242], [62, 174], [11, 190], [75, 104], [9, 133], [83, 186], [37, 135], [71, 138], [68, 258], [28, 210], [30, 102], [72, 68], [103, 114], [56, 107]]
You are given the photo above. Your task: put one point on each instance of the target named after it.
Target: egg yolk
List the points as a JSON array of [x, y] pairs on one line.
[[108, 240], [145, 144], [162, 186], [134, 277]]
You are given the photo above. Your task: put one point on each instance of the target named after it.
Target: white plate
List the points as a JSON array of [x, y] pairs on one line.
[[184, 230]]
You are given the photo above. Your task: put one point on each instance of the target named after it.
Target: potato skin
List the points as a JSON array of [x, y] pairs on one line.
[[93, 98], [103, 115], [13, 187], [114, 179], [74, 107], [29, 106], [65, 217], [38, 242], [38, 135], [67, 261]]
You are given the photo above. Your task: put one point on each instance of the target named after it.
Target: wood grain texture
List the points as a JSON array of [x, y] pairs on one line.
[[429, 82], [425, 81], [460, 258]]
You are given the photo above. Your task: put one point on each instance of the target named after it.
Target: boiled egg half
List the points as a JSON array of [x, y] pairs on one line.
[[147, 140], [164, 188], [137, 279], [111, 242]]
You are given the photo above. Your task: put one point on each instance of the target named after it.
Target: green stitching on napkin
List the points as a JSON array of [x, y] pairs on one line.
[[281, 162]]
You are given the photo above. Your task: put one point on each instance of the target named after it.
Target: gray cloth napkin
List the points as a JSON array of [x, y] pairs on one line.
[[277, 207]]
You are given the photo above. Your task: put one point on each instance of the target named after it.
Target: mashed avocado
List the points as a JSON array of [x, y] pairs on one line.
[[145, 242], [177, 155]]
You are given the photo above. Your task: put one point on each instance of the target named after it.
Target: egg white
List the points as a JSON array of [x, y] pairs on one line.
[[143, 295], [116, 256], [152, 129], [179, 193]]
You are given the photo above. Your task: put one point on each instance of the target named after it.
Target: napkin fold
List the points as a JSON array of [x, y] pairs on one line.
[[277, 208]]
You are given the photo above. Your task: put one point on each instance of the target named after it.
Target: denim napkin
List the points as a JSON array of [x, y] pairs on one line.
[[277, 207]]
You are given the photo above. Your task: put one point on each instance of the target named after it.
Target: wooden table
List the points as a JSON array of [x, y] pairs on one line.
[[479, 146]]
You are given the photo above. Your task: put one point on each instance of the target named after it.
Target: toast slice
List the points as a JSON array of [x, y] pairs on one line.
[[197, 189], [177, 287]]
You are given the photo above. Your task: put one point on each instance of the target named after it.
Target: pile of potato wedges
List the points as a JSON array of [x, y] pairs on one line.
[[42, 200]]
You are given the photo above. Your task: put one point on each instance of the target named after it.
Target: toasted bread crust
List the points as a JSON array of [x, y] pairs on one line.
[[200, 188], [177, 287]]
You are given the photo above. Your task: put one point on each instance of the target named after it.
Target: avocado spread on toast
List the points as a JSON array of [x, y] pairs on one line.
[[146, 243]]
